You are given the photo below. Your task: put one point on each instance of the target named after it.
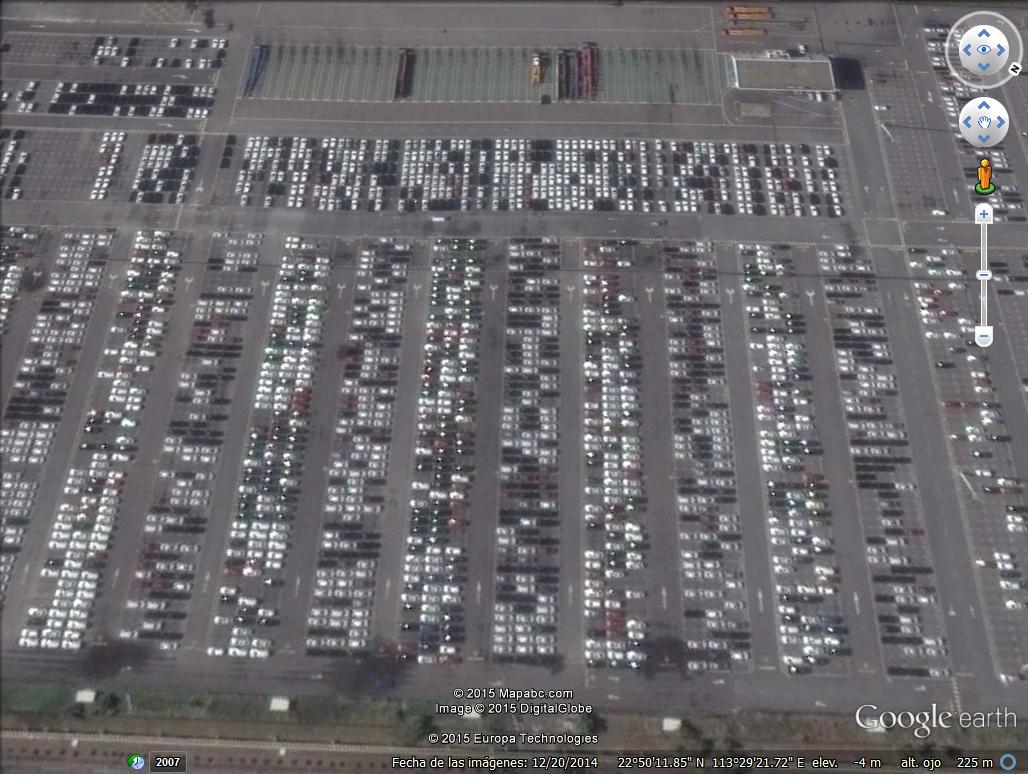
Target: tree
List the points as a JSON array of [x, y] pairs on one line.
[[416, 727], [556, 664], [366, 674], [720, 743], [590, 723], [33, 280], [105, 661], [663, 652], [108, 703]]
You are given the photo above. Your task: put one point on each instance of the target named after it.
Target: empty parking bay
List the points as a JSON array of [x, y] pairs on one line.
[[329, 72], [483, 74], [669, 75]]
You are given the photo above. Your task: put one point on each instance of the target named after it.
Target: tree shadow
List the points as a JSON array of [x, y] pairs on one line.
[[366, 674], [103, 662]]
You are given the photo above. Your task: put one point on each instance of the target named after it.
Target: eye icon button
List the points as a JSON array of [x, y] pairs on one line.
[[984, 50]]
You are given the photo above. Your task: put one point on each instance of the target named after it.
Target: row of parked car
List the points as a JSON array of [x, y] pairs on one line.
[[713, 582], [142, 100], [280, 426], [435, 561], [166, 169], [528, 528], [329, 174], [726, 178], [911, 621], [344, 582], [108, 50], [26, 98], [111, 147], [991, 493], [91, 497], [614, 502], [14, 157], [338, 173], [811, 631], [176, 521], [18, 264], [70, 284]]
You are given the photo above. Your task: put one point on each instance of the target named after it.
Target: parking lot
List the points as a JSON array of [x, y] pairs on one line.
[[1011, 269], [115, 51], [278, 393], [527, 590], [713, 571], [52, 165], [435, 562], [991, 491], [62, 166], [165, 585], [912, 621], [799, 525], [37, 393], [659, 176], [355, 492], [170, 592], [251, 577], [484, 74], [81, 534], [897, 108]]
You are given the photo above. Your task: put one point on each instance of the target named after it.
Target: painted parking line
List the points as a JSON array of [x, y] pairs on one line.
[[440, 75], [521, 77], [367, 74], [355, 75], [353, 83], [284, 64], [361, 76], [513, 78], [364, 71], [333, 89], [381, 67], [310, 60], [437, 73], [285, 75], [499, 76], [388, 75], [317, 64], [345, 74], [487, 64], [321, 64], [629, 63], [625, 82], [376, 64], [161, 12], [322, 73], [302, 78], [326, 72], [290, 73], [297, 76], [447, 61], [275, 87]]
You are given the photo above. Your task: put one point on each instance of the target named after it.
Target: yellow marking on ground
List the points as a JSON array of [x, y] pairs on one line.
[[163, 12]]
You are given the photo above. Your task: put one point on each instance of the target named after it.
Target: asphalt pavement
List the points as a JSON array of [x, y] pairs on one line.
[[877, 221]]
